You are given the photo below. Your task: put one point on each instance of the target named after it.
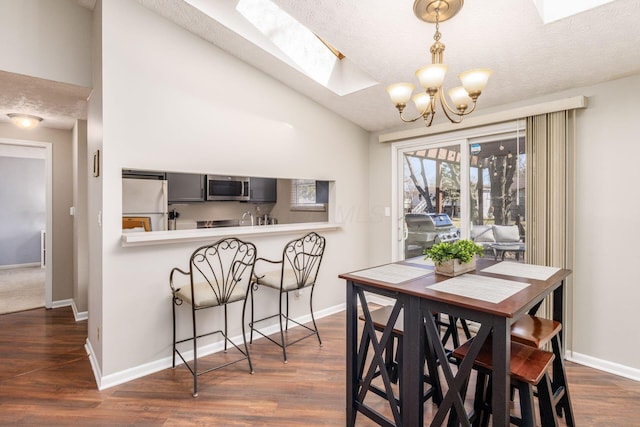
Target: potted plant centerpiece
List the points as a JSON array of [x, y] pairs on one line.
[[454, 258]]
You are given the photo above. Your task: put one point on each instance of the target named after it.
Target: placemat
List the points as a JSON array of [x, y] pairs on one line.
[[480, 287], [393, 273], [529, 271]]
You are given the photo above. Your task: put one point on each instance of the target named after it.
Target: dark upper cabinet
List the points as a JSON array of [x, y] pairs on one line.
[[143, 174], [263, 190], [185, 187], [322, 191]]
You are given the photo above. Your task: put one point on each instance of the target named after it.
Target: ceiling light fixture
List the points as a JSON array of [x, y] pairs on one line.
[[25, 121], [432, 76]]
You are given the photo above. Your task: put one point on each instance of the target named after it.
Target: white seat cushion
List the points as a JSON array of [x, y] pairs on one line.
[[205, 296], [272, 279], [482, 234], [506, 233]]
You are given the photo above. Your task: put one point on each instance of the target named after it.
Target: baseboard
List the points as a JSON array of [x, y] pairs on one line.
[[62, 303], [603, 365], [139, 371], [79, 315], [95, 367]]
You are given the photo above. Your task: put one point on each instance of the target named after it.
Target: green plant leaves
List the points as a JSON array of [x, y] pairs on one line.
[[463, 250]]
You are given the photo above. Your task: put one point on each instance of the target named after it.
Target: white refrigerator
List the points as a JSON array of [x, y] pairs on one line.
[[145, 198]]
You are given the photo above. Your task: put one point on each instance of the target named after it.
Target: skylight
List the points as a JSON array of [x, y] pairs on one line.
[[306, 50], [271, 29], [554, 10]]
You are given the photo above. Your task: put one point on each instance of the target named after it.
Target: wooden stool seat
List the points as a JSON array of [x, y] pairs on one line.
[[528, 368], [528, 364], [537, 332], [534, 331]]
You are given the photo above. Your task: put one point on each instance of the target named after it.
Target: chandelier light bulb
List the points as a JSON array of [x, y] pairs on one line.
[[474, 81], [400, 93], [432, 76], [423, 102], [460, 98]]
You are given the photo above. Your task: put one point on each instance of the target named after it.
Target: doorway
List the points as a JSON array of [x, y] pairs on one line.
[[26, 197]]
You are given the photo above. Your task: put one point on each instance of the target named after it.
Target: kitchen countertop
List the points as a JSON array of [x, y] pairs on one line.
[[205, 234]]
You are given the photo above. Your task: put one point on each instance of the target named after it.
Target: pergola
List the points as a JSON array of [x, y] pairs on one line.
[[500, 158]]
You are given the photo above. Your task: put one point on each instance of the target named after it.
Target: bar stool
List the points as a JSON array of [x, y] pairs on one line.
[[380, 318], [536, 332], [528, 368]]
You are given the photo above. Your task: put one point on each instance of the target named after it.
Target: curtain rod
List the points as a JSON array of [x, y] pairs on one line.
[[575, 102]]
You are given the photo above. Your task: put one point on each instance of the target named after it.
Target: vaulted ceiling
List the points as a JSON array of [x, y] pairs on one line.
[[385, 41]]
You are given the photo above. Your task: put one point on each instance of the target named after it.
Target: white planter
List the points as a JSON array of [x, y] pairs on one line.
[[453, 267]]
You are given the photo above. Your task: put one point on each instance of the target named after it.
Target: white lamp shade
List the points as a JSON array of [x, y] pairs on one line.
[[432, 76], [423, 102], [25, 121], [459, 96], [475, 80], [400, 93]]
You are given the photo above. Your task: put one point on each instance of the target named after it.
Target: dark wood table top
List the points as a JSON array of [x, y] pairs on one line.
[[510, 307]]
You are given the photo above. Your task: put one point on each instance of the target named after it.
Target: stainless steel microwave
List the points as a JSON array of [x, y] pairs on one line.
[[222, 188]]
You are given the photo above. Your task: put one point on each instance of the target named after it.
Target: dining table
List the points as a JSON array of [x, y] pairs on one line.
[[493, 296]]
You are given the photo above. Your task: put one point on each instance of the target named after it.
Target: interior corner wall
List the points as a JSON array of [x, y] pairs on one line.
[[80, 225], [172, 101], [62, 230], [604, 290], [94, 197]]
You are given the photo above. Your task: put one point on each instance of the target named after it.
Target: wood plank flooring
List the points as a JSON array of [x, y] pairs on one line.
[[46, 379]]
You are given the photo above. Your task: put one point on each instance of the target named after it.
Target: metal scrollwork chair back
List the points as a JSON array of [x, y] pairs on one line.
[[219, 274], [298, 269]]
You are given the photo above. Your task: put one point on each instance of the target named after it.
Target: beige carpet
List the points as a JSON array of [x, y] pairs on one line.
[[21, 289]]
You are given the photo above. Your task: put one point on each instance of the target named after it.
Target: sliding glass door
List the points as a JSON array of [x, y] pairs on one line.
[[449, 186], [432, 196]]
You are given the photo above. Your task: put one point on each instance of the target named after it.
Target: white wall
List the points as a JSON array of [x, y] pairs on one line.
[[605, 278], [171, 101], [46, 39], [605, 290], [94, 199]]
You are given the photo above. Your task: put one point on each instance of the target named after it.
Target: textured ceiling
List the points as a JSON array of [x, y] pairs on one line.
[[59, 104], [386, 41], [389, 43]]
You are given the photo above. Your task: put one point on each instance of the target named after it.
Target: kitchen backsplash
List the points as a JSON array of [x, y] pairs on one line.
[[190, 214]]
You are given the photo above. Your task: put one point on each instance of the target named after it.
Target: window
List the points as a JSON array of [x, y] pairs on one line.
[[307, 195]]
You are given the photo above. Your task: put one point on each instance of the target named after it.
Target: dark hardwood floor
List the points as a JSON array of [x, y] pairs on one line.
[[46, 379]]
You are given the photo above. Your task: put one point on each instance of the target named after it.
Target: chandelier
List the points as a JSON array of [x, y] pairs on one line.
[[432, 76]]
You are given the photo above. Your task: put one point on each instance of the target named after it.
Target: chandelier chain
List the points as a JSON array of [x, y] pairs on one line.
[[437, 35]]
